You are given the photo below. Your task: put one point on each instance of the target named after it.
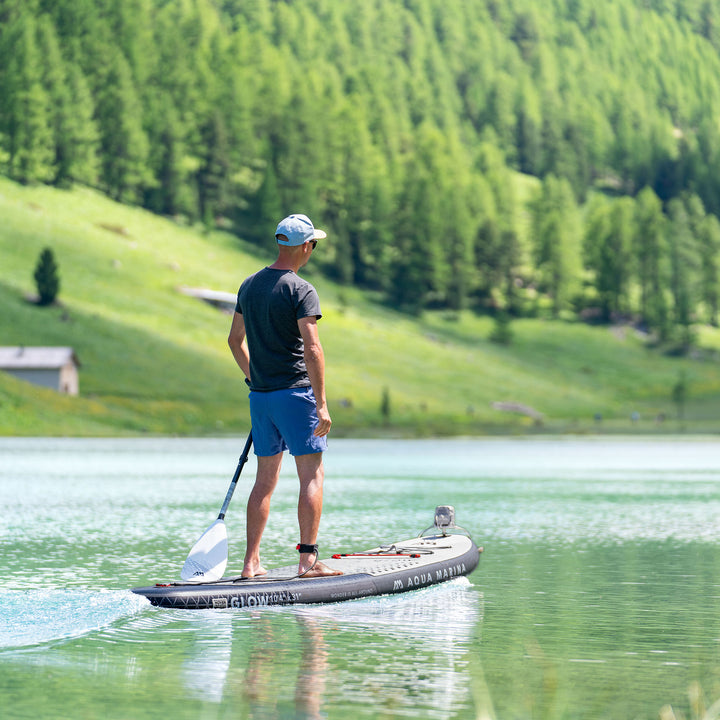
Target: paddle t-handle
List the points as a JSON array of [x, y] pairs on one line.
[[233, 484]]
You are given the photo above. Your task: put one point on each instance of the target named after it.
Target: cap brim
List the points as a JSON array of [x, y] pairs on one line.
[[319, 234]]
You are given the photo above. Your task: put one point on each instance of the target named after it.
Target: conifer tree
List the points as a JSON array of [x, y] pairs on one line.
[[650, 253], [621, 225], [47, 279], [56, 86], [709, 245], [608, 253], [418, 271], [169, 194], [78, 159], [458, 240], [124, 144], [528, 143], [557, 247], [684, 262], [71, 109], [25, 128], [213, 175], [268, 202]]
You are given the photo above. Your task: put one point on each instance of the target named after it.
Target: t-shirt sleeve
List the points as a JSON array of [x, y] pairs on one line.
[[308, 303], [240, 295]]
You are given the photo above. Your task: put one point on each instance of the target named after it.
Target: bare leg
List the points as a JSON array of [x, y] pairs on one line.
[[312, 475], [258, 510]]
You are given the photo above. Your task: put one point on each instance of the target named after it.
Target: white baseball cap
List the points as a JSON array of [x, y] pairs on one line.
[[298, 229]]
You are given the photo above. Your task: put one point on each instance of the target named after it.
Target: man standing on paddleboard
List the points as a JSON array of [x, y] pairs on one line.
[[274, 339]]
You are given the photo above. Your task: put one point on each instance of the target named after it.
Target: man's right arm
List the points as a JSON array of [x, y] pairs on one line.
[[238, 343]]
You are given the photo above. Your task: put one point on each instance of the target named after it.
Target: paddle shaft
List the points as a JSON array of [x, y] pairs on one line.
[[238, 470]]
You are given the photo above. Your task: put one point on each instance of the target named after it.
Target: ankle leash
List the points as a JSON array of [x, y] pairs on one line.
[[301, 548]]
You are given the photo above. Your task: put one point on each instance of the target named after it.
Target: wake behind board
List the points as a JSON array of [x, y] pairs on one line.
[[394, 568]]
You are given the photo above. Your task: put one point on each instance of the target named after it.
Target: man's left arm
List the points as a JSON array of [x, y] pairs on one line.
[[315, 364]]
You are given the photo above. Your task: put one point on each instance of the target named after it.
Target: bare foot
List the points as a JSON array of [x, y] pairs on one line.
[[251, 571], [320, 569]]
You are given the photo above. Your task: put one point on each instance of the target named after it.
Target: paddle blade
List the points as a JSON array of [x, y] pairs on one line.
[[208, 558]]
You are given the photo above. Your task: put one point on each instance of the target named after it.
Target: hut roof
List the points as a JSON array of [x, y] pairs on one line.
[[36, 358]]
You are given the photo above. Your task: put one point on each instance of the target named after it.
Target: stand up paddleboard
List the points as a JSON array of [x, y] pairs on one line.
[[394, 568]]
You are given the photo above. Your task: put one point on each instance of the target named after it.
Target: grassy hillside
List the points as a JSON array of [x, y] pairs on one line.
[[156, 361]]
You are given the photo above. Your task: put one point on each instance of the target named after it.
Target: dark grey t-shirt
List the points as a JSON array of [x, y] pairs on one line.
[[271, 302]]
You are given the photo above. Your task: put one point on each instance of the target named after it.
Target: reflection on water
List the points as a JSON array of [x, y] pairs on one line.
[[205, 672], [307, 671], [407, 651], [413, 649]]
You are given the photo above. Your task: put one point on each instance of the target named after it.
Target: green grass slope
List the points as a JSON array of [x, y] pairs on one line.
[[156, 361]]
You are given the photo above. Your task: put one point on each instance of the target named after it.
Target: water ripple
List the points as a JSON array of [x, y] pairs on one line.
[[33, 617]]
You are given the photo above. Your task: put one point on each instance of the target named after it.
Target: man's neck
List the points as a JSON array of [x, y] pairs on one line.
[[289, 259], [277, 265]]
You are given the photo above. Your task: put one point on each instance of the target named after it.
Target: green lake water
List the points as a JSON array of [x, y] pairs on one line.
[[597, 595]]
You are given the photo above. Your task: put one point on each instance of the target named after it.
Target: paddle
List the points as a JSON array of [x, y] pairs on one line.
[[209, 555]]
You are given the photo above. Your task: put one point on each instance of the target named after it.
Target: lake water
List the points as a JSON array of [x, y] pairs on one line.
[[597, 595]]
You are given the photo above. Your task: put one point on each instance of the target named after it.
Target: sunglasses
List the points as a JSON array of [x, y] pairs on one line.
[[314, 243]]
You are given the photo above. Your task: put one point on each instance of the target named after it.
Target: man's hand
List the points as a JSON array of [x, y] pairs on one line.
[[324, 423]]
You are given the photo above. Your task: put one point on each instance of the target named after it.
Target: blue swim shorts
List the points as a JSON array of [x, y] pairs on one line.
[[285, 420]]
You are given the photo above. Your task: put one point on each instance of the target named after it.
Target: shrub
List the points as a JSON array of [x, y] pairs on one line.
[[502, 332]]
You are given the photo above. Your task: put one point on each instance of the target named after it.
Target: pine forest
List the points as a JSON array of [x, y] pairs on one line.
[[514, 157]]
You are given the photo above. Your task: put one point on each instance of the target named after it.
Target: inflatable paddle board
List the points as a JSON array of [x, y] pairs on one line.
[[394, 568]]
